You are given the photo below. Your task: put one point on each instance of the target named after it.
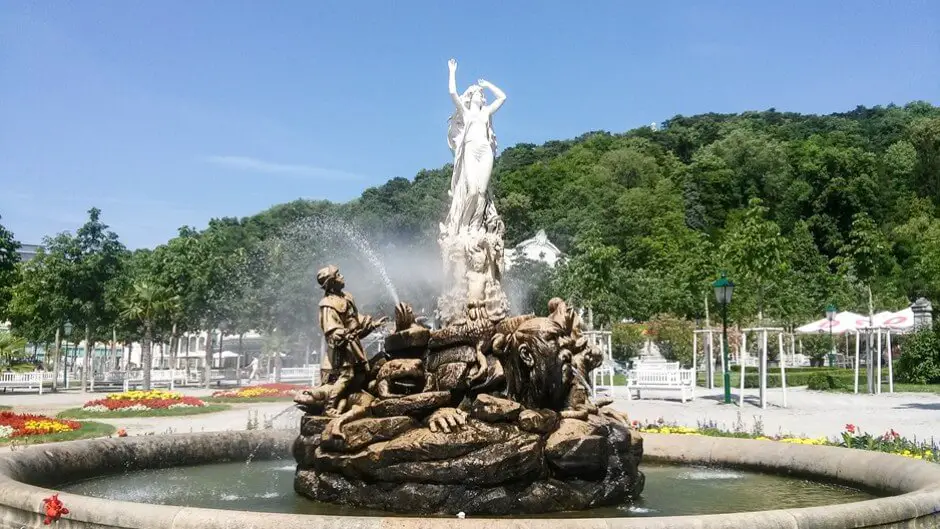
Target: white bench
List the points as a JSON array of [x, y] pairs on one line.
[[29, 380], [661, 377], [298, 374]]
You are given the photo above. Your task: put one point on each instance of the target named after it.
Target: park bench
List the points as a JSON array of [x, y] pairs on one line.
[[661, 376], [30, 380], [306, 374]]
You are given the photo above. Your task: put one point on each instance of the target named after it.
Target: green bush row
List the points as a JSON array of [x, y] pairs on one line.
[[831, 380], [837, 370]]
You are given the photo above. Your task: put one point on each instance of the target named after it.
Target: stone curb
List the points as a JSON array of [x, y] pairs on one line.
[[915, 483]]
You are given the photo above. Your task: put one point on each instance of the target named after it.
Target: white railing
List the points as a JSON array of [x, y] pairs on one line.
[[158, 377], [647, 365], [30, 380], [311, 373]]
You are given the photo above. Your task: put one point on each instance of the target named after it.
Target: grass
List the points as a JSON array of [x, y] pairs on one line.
[[5, 408], [89, 430], [78, 413], [898, 387], [236, 400]]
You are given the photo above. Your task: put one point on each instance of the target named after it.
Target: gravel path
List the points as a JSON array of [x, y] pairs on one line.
[[809, 413]]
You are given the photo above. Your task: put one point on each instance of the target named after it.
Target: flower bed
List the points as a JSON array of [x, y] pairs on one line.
[[852, 437], [142, 401], [261, 391], [14, 425]]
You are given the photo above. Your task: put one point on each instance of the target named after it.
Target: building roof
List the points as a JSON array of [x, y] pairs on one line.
[[540, 239]]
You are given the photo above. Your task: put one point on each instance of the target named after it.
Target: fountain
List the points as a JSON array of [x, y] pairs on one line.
[[490, 414], [485, 421]]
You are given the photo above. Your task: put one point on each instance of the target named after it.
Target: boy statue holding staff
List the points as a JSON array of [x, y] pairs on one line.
[[343, 327]]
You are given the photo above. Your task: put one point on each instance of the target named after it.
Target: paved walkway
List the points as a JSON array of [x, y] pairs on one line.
[[809, 413]]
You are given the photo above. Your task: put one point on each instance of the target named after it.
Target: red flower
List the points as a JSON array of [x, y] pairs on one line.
[[850, 428], [54, 509], [636, 423], [19, 422], [121, 432]]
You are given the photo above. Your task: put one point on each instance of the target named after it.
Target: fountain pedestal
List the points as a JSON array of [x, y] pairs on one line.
[[481, 417]]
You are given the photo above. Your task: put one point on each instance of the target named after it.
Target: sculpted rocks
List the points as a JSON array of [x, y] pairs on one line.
[[484, 417]]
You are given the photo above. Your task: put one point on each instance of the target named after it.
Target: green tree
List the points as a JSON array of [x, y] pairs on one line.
[[9, 257], [591, 278], [757, 255], [11, 347], [147, 303]]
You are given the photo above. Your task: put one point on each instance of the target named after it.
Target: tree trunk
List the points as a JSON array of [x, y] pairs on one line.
[[146, 356], [760, 304], [277, 366], [238, 366], [174, 345], [86, 360], [208, 367], [56, 358], [112, 363], [869, 371]]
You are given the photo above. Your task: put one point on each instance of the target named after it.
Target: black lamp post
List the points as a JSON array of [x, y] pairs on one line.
[[67, 331], [723, 290], [831, 311]]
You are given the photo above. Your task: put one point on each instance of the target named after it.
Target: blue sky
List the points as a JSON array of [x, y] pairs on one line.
[[167, 113]]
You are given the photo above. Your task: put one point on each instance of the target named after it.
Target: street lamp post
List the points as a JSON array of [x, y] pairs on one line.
[[723, 290], [67, 331], [831, 311]]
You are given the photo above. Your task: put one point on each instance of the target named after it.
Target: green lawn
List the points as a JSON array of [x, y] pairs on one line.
[[4, 408], [89, 430], [78, 413]]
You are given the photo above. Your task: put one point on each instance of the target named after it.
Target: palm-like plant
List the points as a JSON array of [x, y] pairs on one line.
[[10, 345], [148, 303]]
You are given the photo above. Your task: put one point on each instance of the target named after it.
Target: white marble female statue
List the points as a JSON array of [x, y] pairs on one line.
[[471, 138]]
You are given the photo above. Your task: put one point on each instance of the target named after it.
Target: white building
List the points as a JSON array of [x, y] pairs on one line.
[[537, 248]]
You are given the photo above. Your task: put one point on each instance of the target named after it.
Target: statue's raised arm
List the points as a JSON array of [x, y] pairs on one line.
[[500, 96], [452, 84]]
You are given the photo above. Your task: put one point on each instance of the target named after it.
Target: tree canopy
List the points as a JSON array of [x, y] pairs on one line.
[[801, 210]]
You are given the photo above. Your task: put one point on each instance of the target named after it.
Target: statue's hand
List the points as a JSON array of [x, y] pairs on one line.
[[447, 420], [452, 65], [483, 82]]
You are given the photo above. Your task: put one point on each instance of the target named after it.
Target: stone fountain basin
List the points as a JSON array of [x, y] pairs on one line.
[[914, 485]]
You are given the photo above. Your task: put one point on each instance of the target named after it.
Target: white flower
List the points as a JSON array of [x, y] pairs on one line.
[[5, 431], [461, 515]]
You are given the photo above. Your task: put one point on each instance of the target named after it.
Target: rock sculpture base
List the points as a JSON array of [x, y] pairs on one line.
[[484, 468], [481, 417]]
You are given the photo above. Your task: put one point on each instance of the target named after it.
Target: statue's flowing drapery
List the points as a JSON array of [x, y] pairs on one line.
[[471, 200]]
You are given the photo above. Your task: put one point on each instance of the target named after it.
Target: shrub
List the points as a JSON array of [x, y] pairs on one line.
[[673, 336], [920, 357], [627, 340], [819, 381]]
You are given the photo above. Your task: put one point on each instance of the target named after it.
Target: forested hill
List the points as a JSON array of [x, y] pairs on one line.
[[651, 216], [800, 210]]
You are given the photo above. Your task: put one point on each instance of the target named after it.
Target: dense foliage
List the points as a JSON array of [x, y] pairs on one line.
[[800, 210]]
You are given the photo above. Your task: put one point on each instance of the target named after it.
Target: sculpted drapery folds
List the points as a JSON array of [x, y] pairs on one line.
[[471, 236]]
